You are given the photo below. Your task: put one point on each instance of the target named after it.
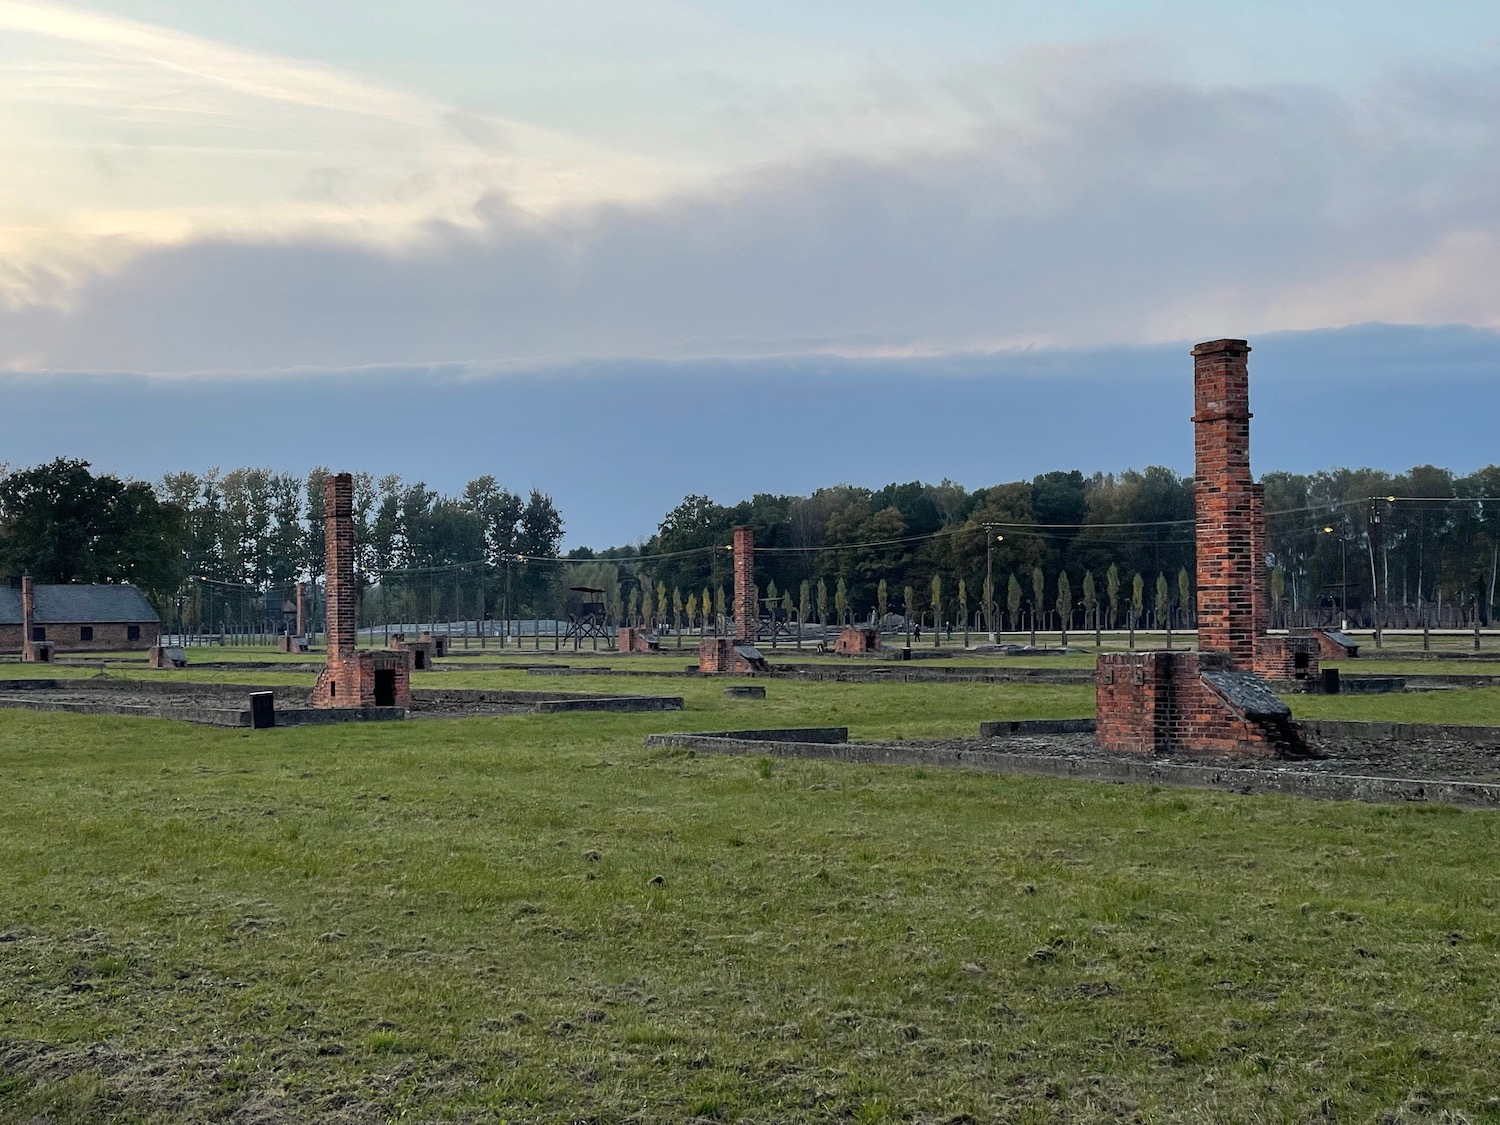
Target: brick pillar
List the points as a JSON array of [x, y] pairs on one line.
[[301, 609], [338, 532], [1224, 494], [745, 615], [28, 612]]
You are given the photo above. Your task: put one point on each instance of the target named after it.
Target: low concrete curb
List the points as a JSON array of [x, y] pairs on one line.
[[613, 703], [1289, 781], [208, 716]]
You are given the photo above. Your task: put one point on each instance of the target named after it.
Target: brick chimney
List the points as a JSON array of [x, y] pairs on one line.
[[746, 616], [341, 594], [28, 614], [301, 609], [1228, 504]]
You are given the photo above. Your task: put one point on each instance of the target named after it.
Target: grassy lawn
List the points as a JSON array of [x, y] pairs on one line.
[[536, 919]]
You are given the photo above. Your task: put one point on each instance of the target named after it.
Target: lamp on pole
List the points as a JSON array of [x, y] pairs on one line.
[[989, 578], [1344, 584]]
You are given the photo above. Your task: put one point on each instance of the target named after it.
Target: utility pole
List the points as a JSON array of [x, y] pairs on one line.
[[1344, 584], [1377, 550], [508, 605], [989, 578]]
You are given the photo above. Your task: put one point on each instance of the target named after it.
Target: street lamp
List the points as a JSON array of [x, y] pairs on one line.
[[989, 578], [1344, 584]]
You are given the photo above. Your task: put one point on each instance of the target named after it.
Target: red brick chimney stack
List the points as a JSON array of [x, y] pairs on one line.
[[338, 531], [301, 609], [1228, 507], [28, 614], [745, 615]]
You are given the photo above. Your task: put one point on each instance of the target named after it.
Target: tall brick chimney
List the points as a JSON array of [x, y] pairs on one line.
[[1228, 504], [28, 613], [338, 533], [746, 616], [301, 609]]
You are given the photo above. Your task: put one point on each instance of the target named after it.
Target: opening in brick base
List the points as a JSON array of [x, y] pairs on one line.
[[371, 678]]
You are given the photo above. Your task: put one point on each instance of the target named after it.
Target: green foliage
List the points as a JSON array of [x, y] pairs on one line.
[[61, 523], [882, 601], [1013, 601], [1137, 599]]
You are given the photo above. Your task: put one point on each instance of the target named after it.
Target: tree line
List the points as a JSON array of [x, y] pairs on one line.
[[1068, 551], [1059, 550]]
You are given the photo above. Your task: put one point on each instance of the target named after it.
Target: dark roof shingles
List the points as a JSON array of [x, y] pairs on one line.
[[66, 605]]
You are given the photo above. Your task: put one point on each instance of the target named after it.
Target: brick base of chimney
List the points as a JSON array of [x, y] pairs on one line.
[[1188, 702], [636, 640], [722, 655], [857, 640], [354, 679]]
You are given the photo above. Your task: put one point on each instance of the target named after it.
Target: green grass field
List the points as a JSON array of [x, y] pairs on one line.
[[536, 919]]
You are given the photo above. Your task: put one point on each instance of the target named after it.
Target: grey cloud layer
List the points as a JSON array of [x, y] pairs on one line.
[[1108, 210]]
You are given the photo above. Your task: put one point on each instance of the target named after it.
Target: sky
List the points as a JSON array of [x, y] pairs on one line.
[[596, 193]]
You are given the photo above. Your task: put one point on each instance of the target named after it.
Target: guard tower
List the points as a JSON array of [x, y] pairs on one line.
[[589, 618]]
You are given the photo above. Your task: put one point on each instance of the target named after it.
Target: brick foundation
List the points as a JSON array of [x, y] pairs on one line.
[[636, 640], [167, 656], [351, 677], [1331, 644], [719, 655], [1187, 702], [857, 640], [422, 650], [1287, 658]]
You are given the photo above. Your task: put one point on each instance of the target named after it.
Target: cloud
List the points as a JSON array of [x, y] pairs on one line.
[[1085, 205], [123, 136]]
